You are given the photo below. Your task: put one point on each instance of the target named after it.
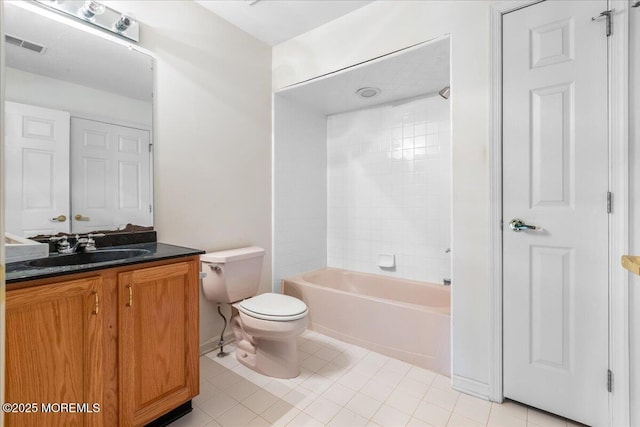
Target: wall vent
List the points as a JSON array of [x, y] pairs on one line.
[[24, 43]]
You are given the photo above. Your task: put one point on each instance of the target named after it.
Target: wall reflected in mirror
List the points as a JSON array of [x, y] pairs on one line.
[[78, 129]]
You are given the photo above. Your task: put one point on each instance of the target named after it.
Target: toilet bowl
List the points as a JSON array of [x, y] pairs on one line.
[[265, 326]]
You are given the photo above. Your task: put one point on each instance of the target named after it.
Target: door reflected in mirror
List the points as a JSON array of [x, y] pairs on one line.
[[78, 129]]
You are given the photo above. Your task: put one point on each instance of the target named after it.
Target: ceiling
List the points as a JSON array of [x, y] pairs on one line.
[[417, 71], [74, 55], [275, 21]]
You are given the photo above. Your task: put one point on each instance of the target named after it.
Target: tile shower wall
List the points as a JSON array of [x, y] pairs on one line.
[[389, 189]]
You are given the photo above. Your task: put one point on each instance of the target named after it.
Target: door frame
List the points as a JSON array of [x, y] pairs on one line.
[[618, 82]]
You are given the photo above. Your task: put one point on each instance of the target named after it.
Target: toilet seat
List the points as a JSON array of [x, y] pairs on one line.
[[270, 306]]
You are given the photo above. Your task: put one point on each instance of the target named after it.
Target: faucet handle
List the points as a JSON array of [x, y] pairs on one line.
[[62, 244], [90, 244]]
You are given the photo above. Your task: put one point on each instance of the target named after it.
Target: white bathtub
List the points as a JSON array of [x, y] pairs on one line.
[[405, 319]]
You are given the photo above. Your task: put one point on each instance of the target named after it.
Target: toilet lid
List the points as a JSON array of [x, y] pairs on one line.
[[272, 306]]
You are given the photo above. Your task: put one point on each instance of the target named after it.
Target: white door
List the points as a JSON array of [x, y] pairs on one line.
[[36, 170], [110, 176], [555, 176]]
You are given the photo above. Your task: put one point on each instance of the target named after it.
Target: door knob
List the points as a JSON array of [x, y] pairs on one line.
[[519, 225], [81, 218], [59, 218]]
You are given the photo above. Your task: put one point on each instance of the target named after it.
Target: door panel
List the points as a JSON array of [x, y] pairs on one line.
[[37, 169], [110, 176], [551, 292], [555, 176], [551, 146]]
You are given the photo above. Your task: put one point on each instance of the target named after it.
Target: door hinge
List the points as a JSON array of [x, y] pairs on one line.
[[609, 202], [609, 22], [150, 209], [609, 380], [150, 147]]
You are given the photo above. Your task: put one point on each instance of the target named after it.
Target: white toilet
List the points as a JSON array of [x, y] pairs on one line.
[[266, 325]]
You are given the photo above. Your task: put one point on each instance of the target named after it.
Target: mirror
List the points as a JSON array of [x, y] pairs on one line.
[[78, 123]]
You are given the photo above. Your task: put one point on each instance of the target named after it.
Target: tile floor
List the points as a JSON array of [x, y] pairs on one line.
[[344, 385]]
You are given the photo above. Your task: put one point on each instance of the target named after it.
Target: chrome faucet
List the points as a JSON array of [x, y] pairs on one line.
[[62, 244], [87, 244], [82, 244]]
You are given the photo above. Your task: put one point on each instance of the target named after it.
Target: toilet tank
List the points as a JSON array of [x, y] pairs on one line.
[[231, 275]]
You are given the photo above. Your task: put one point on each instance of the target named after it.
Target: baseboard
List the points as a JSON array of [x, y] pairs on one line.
[[212, 344], [469, 386], [208, 346]]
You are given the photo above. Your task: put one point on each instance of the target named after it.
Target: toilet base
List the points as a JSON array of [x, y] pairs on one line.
[[275, 359], [269, 348]]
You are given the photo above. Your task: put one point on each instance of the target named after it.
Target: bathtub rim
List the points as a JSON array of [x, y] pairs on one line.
[[437, 310]]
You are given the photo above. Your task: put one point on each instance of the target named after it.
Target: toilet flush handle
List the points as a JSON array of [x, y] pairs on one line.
[[215, 268]]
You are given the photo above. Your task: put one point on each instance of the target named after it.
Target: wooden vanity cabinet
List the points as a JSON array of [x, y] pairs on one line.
[[125, 338]]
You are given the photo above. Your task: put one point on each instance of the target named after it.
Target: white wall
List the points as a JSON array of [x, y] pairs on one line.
[[300, 190], [389, 189], [634, 214], [212, 133], [80, 101], [386, 26]]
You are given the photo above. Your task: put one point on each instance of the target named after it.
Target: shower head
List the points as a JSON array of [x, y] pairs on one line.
[[445, 92]]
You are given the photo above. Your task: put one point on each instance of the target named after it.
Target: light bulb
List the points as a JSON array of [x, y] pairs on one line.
[[123, 23], [91, 8]]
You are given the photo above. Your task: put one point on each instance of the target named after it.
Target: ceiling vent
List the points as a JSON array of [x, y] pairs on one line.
[[24, 44]]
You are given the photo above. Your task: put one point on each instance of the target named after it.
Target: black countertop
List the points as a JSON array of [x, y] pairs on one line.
[[22, 271]]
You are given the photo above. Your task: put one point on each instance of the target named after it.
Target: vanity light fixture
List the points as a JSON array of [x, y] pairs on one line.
[[97, 14]]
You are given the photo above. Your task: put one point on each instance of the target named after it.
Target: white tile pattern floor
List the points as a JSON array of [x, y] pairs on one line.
[[344, 385]]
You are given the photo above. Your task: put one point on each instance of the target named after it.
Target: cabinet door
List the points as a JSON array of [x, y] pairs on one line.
[[158, 340], [54, 353]]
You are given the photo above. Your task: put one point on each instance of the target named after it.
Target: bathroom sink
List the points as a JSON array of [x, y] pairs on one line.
[[103, 255]]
